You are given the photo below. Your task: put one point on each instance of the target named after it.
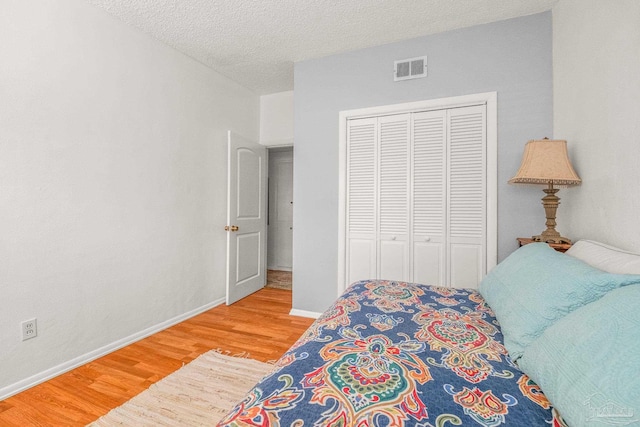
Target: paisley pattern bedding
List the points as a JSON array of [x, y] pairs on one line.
[[398, 354]]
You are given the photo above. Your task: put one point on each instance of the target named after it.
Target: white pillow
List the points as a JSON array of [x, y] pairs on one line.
[[605, 257]]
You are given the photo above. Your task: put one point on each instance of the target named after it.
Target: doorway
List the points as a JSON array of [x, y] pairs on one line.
[[280, 218]]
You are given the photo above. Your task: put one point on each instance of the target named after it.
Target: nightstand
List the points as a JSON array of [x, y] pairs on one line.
[[560, 247]]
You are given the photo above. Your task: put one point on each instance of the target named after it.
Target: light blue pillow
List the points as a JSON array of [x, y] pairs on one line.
[[588, 363], [535, 286]]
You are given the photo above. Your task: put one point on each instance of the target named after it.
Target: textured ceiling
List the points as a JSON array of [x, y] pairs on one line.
[[256, 42]]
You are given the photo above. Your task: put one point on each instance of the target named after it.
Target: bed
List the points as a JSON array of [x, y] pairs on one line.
[[390, 353]]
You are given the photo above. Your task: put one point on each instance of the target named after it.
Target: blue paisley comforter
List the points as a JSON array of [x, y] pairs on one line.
[[398, 354]]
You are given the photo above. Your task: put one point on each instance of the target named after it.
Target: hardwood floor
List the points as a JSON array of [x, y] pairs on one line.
[[259, 325]]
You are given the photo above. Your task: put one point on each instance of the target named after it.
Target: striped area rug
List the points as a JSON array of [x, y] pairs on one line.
[[198, 394]]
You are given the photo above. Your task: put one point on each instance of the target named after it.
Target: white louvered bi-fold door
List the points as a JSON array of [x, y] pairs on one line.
[[467, 196], [416, 197], [362, 218], [429, 197], [393, 193]]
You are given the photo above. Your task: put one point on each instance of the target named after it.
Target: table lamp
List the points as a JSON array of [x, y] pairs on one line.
[[546, 161]]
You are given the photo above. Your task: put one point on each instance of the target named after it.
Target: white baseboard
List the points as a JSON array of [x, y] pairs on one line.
[[304, 313], [50, 373]]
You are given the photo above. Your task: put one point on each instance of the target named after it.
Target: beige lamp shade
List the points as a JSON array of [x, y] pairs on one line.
[[546, 161]]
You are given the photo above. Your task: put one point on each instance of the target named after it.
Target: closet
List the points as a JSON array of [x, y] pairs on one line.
[[416, 197]]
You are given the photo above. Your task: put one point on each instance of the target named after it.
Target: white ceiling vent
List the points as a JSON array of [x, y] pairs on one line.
[[412, 68]]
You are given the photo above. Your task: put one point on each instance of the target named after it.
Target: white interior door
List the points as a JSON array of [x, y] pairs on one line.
[[246, 217]]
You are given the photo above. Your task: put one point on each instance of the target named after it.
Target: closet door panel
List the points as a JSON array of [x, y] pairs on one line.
[[362, 256], [362, 219], [428, 263], [429, 199], [394, 260], [466, 265], [467, 195], [393, 193]]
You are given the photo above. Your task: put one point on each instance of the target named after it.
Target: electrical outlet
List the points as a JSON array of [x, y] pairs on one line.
[[29, 329]]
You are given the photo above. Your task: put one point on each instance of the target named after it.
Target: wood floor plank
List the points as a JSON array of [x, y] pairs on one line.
[[259, 325]]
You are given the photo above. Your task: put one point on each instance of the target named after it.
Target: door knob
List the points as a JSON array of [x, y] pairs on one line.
[[231, 228]]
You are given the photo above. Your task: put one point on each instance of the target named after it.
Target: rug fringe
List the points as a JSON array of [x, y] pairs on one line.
[[242, 354]]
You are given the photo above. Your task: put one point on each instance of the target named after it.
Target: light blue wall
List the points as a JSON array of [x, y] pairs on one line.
[[512, 58]]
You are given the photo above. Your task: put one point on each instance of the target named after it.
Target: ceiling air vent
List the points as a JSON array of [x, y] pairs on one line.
[[412, 68]]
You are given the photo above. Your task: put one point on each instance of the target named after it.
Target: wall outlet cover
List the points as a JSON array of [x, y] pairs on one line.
[[29, 329]]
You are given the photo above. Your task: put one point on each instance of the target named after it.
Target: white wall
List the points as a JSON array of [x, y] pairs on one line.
[[276, 119], [510, 57], [112, 183], [596, 78]]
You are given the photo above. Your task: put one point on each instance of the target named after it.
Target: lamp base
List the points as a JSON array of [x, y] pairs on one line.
[[550, 203]]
